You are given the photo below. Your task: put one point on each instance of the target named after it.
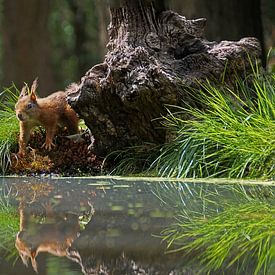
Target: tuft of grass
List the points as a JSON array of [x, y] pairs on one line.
[[131, 160], [228, 227], [9, 126], [233, 136]]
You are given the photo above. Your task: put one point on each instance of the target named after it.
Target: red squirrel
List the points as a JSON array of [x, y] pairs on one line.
[[50, 112]]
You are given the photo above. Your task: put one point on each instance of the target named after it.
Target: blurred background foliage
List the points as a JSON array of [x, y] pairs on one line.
[[59, 40]]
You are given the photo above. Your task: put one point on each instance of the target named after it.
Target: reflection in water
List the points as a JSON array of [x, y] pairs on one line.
[[9, 224], [114, 226], [48, 231], [121, 244], [117, 235], [229, 228]]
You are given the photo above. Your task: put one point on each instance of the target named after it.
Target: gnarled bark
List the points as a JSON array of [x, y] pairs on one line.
[[151, 55]]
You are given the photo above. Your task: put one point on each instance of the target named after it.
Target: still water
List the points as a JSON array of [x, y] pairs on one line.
[[136, 226]]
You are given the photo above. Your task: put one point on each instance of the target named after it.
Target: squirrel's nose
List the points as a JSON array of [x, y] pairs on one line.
[[20, 116]]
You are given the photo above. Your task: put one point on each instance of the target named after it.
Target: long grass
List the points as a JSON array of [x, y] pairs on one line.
[[131, 160], [232, 136], [9, 126], [222, 227]]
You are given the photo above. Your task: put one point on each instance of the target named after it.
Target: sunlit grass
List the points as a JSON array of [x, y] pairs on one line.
[[232, 136], [9, 126]]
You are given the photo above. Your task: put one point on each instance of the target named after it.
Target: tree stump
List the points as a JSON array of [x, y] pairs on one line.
[[151, 55]]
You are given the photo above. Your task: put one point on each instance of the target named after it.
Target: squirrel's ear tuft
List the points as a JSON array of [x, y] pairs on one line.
[[33, 90], [34, 86], [33, 97], [33, 259], [24, 91]]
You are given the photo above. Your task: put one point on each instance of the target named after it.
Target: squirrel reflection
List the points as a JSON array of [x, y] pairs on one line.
[[112, 242], [42, 229], [49, 229]]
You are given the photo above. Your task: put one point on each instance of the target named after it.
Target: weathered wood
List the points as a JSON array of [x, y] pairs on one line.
[[151, 55]]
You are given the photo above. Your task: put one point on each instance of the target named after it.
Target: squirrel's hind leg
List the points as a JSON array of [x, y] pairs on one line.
[[71, 120]]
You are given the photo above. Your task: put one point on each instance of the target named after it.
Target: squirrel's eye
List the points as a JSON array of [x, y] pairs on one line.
[[29, 106]]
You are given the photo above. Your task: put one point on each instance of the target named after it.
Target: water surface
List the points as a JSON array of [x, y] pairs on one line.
[[113, 225]]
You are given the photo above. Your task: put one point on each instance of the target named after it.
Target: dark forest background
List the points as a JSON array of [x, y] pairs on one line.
[[59, 40]]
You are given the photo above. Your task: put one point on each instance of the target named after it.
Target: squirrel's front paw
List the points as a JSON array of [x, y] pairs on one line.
[[48, 145]]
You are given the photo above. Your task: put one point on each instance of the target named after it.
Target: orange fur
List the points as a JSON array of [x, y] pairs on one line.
[[50, 112]]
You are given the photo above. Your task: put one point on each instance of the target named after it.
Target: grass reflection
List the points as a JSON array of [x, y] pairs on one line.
[[62, 266], [9, 224], [222, 227]]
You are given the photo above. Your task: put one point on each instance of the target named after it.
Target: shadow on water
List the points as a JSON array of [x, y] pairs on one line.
[[119, 226]]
